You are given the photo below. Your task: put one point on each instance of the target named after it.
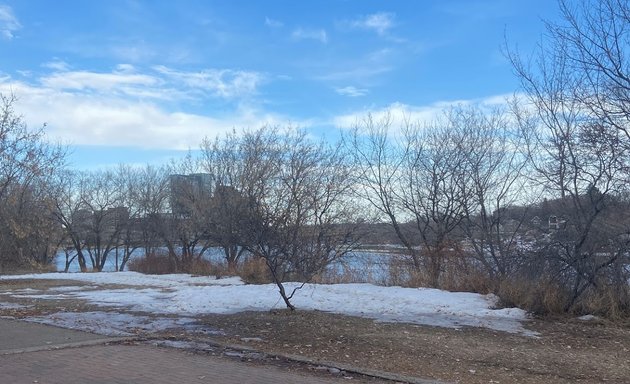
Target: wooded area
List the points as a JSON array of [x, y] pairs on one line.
[[529, 200]]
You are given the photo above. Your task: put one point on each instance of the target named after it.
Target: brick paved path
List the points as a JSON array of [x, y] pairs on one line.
[[24, 336], [35, 353], [139, 364]]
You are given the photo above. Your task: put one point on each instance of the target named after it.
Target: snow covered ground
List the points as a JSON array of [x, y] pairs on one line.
[[177, 299]]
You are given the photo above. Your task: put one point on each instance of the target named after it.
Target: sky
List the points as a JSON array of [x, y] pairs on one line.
[[135, 81]]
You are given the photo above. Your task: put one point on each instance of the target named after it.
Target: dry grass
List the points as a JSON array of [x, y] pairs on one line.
[[457, 274], [541, 297], [151, 264], [27, 268], [567, 351], [544, 296], [610, 301], [160, 264], [254, 271]]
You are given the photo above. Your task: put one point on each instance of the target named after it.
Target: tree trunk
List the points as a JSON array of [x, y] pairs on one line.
[[283, 293], [82, 264]]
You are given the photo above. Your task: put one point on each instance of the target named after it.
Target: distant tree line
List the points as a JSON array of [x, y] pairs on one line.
[[529, 200]]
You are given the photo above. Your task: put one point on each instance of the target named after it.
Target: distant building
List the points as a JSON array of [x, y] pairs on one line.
[[186, 190], [556, 223], [82, 220], [106, 222], [114, 219], [536, 222]]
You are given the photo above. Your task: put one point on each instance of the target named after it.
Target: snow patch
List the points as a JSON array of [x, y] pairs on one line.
[[13, 306], [132, 279], [187, 296], [110, 323]]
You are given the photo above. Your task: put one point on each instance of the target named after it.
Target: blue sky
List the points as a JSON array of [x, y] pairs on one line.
[[139, 81]]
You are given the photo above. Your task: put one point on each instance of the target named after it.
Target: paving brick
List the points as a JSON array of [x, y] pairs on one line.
[[15, 335], [139, 364]]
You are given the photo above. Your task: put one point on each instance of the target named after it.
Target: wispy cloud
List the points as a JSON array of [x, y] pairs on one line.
[[379, 22], [9, 24], [126, 108], [57, 65], [225, 83], [273, 23], [399, 114], [310, 34], [351, 91], [85, 80], [140, 107], [160, 83], [363, 70]]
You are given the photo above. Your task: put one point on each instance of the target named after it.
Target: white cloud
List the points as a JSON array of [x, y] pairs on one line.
[[161, 82], [8, 22], [57, 65], [83, 80], [379, 22], [273, 23], [351, 91], [399, 114], [362, 70], [125, 68], [128, 108], [225, 83], [310, 34]]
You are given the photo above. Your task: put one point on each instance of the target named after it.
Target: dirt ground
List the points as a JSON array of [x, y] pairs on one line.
[[566, 350]]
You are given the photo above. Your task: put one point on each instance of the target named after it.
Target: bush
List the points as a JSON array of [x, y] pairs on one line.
[[207, 268], [254, 270], [611, 301], [457, 274], [26, 267], [538, 296], [157, 263]]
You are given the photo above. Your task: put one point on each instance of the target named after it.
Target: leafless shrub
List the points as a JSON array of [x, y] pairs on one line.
[[157, 263], [576, 123], [254, 271], [27, 165], [541, 296]]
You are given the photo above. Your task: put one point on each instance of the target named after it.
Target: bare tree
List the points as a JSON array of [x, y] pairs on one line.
[[70, 216], [102, 196], [495, 162], [578, 93], [417, 180], [152, 195], [379, 162], [145, 194], [594, 39], [222, 160], [290, 196], [303, 221], [185, 230], [432, 193], [27, 166], [227, 219]]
